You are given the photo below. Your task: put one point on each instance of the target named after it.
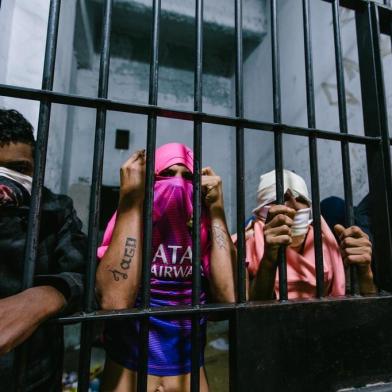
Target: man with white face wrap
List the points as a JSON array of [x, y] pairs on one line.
[[290, 225]]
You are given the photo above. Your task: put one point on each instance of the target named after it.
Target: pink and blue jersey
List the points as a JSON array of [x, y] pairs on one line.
[[171, 285]]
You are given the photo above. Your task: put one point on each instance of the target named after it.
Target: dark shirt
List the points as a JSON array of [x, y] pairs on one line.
[[60, 263], [362, 214], [333, 211]]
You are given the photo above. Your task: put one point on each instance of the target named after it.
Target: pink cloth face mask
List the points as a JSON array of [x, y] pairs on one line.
[[172, 220], [172, 196]]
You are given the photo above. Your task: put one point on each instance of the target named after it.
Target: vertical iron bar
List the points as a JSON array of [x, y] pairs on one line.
[[235, 382], [96, 185], [376, 125], [240, 167], [148, 201], [313, 150], [343, 124], [278, 143], [197, 151], [42, 144], [39, 171]]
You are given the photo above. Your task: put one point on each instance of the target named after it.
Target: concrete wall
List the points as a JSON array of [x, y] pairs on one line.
[[65, 69], [23, 27], [22, 39], [217, 11], [258, 90], [129, 81], [6, 16]]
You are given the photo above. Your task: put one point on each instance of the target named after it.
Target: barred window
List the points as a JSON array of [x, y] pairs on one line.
[[251, 85]]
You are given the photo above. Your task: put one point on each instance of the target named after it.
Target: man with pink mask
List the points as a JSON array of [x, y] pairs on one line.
[[119, 270], [290, 225]]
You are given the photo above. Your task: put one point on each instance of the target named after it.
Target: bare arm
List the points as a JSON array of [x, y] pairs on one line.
[[223, 253], [277, 233], [23, 313], [356, 249], [119, 271], [262, 286]]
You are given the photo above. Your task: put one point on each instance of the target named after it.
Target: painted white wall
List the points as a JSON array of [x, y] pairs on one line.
[[25, 30], [259, 145], [23, 26], [258, 92], [6, 16], [65, 67], [129, 82], [217, 11]]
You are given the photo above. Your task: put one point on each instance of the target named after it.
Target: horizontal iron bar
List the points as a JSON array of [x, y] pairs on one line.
[[126, 107], [172, 311], [358, 4]]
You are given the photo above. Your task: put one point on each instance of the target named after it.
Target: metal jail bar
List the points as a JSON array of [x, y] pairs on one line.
[[375, 124], [376, 142], [148, 201], [240, 197], [278, 142], [100, 128], [197, 157], [39, 170], [164, 112], [240, 168], [313, 159], [348, 194]]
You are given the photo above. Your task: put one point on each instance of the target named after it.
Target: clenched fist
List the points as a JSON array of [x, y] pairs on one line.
[[355, 246], [356, 249], [277, 230], [132, 180], [211, 188]]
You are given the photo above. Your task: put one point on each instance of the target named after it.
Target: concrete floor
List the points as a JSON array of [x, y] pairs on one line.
[[217, 357]]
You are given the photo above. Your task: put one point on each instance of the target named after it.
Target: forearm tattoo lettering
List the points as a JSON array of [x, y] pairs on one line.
[[220, 236], [117, 274], [129, 252]]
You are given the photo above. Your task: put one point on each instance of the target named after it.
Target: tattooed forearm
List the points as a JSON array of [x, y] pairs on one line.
[[117, 274], [129, 252], [220, 236]]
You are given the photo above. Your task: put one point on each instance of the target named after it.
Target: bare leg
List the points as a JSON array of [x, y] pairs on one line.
[[116, 378], [182, 383]]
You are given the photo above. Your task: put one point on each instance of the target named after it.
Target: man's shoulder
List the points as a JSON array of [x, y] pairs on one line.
[[55, 202]]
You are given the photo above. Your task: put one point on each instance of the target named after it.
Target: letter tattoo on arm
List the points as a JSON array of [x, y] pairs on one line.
[[117, 274], [129, 252], [220, 236]]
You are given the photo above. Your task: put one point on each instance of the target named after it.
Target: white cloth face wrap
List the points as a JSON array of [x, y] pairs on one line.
[[301, 222], [266, 194], [22, 179]]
